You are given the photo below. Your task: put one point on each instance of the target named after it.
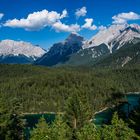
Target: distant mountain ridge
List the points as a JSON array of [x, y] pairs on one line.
[[19, 52]]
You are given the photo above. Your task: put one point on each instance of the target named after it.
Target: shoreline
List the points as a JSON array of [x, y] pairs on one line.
[[105, 108], [133, 93], [101, 110], [41, 113]]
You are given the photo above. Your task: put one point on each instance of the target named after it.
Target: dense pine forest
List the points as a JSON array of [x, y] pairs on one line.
[[40, 89], [76, 92]]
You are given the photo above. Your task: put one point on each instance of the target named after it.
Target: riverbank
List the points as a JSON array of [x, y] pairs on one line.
[[101, 110], [128, 93], [105, 114]]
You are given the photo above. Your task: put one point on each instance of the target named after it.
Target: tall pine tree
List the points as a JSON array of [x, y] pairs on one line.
[[118, 130], [60, 130], [41, 131]]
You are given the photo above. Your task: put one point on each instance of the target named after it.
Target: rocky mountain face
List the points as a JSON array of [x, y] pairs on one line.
[[60, 52], [127, 55], [115, 36], [105, 43], [19, 52]]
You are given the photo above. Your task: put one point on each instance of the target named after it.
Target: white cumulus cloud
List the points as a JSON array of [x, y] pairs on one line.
[[89, 24], [37, 20], [81, 12], [122, 18], [1, 15], [59, 26]]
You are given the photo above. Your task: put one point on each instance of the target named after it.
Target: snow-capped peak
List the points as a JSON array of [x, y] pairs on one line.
[[136, 26], [120, 34], [15, 48]]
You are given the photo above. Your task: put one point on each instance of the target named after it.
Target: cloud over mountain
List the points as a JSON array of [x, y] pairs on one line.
[[122, 18], [88, 24], [59, 26]]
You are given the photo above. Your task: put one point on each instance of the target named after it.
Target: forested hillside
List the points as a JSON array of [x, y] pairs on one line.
[[128, 55], [40, 89]]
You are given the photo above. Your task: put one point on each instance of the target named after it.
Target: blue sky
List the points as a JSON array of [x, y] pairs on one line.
[[44, 22]]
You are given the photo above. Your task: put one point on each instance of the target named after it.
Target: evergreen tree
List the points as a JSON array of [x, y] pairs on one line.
[[88, 132], [15, 124], [60, 130], [11, 124], [134, 120], [41, 131], [4, 117], [77, 111], [15, 128], [118, 130]]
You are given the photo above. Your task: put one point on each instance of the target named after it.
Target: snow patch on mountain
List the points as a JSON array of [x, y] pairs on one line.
[[126, 60]]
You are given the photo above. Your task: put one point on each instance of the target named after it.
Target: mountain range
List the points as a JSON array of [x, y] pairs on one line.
[[117, 45], [112, 41]]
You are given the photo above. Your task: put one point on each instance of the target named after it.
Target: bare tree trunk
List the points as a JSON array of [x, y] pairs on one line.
[[75, 123]]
